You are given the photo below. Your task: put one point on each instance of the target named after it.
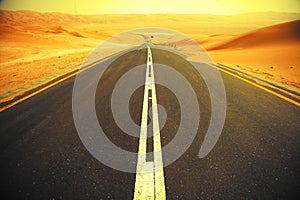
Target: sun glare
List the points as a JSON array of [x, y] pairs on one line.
[[223, 7]]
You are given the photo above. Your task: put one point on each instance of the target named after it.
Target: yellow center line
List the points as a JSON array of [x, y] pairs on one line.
[[149, 182]]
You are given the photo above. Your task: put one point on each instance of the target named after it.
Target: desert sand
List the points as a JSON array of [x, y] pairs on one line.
[[271, 53], [34, 45]]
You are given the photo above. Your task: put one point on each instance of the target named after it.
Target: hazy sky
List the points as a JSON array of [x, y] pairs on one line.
[[226, 7]]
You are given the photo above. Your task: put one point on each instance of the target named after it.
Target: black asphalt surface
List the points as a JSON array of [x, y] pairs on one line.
[[256, 157]]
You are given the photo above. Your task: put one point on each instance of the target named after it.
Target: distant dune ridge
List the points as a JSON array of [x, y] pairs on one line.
[[271, 35], [34, 45], [60, 29], [202, 23]]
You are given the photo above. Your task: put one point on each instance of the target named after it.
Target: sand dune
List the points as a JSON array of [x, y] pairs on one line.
[[271, 53], [61, 30], [272, 35]]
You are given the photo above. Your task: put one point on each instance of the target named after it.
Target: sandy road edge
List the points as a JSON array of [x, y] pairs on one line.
[[279, 88]]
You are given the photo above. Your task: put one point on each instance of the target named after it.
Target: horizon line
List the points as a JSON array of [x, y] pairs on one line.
[[167, 13]]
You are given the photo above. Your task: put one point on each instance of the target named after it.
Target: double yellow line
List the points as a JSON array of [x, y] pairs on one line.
[[149, 179]]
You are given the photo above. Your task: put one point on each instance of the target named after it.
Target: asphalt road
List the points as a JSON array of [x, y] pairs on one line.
[[256, 157]]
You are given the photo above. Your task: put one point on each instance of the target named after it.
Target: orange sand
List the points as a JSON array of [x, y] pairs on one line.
[[271, 52], [34, 45]]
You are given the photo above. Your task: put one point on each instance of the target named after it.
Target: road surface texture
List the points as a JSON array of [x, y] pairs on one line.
[[256, 156]]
